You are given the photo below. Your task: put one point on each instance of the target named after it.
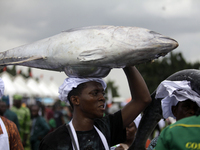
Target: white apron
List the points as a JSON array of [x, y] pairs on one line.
[[103, 139], [4, 142]]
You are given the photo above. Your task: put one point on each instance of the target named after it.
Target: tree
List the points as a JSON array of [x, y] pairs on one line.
[[114, 89], [157, 71]]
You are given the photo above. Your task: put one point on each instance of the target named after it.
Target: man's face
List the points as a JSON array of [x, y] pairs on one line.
[[92, 100], [17, 103], [184, 109], [2, 108], [34, 111]]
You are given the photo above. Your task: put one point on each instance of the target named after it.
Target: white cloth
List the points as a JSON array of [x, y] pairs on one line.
[[137, 120], [103, 139], [172, 92], [71, 83], [4, 139], [1, 87]]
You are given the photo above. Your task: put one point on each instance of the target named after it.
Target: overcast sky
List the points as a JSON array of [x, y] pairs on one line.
[[26, 21]]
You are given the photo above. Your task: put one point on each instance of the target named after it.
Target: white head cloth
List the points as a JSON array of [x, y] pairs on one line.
[[137, 120], [1, 87], [172, 92], [71, 83]]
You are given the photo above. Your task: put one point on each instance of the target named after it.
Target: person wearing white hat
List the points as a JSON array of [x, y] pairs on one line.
[[89, 128], [182, 135], [9, 134], [178, 101]]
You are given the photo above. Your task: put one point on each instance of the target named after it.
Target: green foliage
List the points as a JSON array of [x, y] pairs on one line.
[[157, 71], [12, 71], [114, 89]]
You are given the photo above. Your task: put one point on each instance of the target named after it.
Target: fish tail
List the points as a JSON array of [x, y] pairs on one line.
[[5, 60], [2, 66]]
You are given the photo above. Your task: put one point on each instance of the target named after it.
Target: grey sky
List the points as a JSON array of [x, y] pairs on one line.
[[26, 21]]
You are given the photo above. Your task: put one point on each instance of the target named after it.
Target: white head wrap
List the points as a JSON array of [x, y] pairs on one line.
[[1, 87], [71, 83], [137, 120], [172, 92]]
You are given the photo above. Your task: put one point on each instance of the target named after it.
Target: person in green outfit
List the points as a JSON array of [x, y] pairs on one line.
[[182, 135], [179, 101], [24, 118], [39, 128], [8, 113]]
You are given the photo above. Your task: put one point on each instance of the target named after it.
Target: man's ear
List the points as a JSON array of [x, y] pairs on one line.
[[75, 100], [174, 110]]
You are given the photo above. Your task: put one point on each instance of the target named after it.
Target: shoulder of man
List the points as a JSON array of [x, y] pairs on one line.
[[57, 136], [8, 123]]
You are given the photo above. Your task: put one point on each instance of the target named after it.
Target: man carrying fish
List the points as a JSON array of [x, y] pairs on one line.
[[88, 129]]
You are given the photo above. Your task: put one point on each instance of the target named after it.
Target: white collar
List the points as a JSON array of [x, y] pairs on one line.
[[103, 139]]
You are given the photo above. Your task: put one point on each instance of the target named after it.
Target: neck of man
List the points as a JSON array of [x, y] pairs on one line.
[[82, 123]]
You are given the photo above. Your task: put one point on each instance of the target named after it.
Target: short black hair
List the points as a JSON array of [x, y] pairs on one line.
[[76, 92], [196, 108]]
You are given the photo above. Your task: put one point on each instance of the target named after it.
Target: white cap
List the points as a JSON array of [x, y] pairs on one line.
[[172, 92], [71, 83], [1, 88]]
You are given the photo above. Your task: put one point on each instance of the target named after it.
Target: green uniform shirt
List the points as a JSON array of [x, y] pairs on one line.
[[12, 116], [182, 135], [24, 118]]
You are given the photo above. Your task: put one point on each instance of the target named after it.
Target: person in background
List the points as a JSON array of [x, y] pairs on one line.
[[178, 101], [52, 124], [49, 112], [66, 112], [58, 115], [130, 135], [24, 117], [9, 134], [89, 128], [182, 135], [41, 107], [10, 114], [39, 128], [49, 116]]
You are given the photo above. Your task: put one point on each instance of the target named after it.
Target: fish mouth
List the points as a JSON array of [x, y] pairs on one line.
[[172, 42], [166, 41]]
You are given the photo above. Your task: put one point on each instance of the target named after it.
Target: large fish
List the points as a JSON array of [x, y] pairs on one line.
[[153, 112], [91, 51]]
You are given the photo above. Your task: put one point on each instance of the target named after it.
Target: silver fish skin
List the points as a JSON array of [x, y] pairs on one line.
[[91, 51], [153, 113]]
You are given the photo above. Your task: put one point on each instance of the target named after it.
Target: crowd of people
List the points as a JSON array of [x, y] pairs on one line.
[[80, 120], [28, 124]]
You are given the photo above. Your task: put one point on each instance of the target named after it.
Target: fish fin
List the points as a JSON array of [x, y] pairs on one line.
[[90, 55], [21, 60]]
